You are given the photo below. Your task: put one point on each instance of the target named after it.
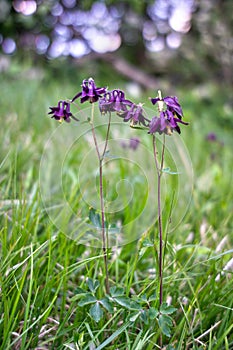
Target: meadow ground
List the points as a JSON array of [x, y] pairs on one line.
[[44, 271]]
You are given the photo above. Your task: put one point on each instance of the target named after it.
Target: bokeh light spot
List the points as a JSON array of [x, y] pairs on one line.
[[102, 43], [42, 43], [173, 40], [27, 8], [77, 48], [155, 45], [8, 46]]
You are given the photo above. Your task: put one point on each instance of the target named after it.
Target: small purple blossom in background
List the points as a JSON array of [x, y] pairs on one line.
[[62, 112], [216, 145], [89, 91], [114, 101], [212, 137], [133, 143]]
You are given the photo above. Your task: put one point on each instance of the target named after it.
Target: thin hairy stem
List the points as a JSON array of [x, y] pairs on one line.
[[160, 226], [100, 159], [159, 169], [93, 133], [107, 135], [155, 154], [104, 246], [159, 174]]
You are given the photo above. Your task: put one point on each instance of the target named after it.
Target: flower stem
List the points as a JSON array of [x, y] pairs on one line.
[[104, 246], [159, 169], [102, 206]]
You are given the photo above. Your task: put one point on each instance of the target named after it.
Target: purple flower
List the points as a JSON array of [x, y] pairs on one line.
[[62, 112], [134, 143], [114, 101], [165, 123], [171, 103], [135, 115], [211, 137], [89, 91], [155, 125], [170, 114]]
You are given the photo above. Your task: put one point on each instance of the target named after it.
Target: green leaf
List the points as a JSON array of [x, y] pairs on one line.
[[134, 305], [165, 324], [152, 313], [144, 316], [115, 291], [87, 299], [152, 297], [147, 243], [137, 127], [123, 301], [113, 229], [94, 217], [96, 312], [92, 285], [107, 305], [107, 154], [79, 290], [79, 293], [85, 121], [143, 298], [142, 251], [112, 337], [134, 317], [166, 309], [168, 171], [81, 341]]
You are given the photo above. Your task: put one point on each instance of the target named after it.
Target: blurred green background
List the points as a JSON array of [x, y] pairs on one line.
[[183, 42]]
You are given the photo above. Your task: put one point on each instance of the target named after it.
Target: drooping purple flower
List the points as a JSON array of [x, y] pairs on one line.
[[114, 101], [89, 91], [171, 103], [172, 120], [166, 123], [174, 106], [155, 126], [170, 114], [135, 114], [62, 112]]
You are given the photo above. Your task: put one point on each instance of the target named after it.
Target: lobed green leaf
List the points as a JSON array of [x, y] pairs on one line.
[[166, 309], [165, 324], [87, 299], [94, 217], [96, 312]]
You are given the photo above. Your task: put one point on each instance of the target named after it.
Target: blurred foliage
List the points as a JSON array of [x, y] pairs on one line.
[[204, 52]]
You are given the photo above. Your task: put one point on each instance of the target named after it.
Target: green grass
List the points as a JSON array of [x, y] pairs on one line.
[[42, 268]]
